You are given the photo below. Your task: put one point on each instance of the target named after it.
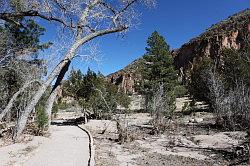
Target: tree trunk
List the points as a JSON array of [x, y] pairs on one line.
[[14, 97], [54, 92], [57, 70], [24, 116], [49, 105]]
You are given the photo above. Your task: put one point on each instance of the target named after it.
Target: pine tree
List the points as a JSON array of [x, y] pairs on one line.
[[19, 38], [93, 92], [158, 70]]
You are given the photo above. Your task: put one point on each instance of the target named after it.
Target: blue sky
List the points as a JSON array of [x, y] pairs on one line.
[[177, 20]]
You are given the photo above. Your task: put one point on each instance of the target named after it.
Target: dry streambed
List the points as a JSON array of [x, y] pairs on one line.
[[188, 141]]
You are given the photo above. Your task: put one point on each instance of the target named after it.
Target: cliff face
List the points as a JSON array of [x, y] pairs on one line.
[[126, 78], [233, 32]]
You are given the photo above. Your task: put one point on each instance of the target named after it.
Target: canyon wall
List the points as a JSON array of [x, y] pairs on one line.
[[127, 78], [233, 32]]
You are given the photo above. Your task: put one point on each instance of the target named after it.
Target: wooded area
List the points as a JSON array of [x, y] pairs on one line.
[[85, 20]]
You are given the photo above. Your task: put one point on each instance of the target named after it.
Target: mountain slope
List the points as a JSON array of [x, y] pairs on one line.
[[233, 32], [127, 77]]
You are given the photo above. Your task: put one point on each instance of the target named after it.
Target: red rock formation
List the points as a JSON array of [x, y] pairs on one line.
[[231, 33], [124, 80]]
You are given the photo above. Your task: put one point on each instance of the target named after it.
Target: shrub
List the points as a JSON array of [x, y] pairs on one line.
[[186, 108], [41, 119], [55, 109], [124, 133], [180, 91], [232, 108], [160, 109], [236, 114]]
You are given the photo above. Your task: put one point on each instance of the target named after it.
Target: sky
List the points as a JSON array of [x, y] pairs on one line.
[[177, 21]]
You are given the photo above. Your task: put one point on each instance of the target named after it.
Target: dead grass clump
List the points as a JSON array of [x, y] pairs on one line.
[[125, 134], [159, 126]]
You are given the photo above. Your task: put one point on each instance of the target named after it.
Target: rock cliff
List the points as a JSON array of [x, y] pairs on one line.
[[233, 32], [127, 77]]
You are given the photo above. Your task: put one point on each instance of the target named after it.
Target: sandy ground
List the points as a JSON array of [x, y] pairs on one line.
[[184, 143], [66, 146]]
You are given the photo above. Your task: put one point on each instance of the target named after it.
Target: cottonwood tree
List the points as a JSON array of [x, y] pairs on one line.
[[87, 19]]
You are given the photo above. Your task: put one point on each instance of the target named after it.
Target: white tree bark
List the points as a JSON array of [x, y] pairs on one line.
[[49, 104], [67, 58], [86, 19]]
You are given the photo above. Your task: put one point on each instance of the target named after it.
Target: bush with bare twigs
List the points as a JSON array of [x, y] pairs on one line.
[[232, 108]]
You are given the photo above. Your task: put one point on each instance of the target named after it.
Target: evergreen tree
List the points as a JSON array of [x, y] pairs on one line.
[[19, 39], [93, 92], [158, 70], [197, 85], [157, 45], [72, 86], [236, 67]]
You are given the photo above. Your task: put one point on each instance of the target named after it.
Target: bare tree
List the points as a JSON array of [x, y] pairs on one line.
[[231, 107], [238, 117], [216, 90], [86, 19], [27, 74], [160, 107]]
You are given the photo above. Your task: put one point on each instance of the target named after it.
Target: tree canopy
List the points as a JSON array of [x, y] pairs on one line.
[[158, 69], [93, 92]]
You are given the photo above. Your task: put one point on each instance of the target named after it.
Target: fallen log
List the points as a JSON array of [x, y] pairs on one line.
[[72, 121]]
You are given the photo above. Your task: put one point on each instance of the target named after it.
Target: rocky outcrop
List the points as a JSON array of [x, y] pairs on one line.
[[230, 33], [233, 33], [126, 78]]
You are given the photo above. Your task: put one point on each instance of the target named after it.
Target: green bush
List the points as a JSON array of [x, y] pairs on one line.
[[62, 105], [41, 119], [236, 67], [187, 108], [55, 109], [180, 91], [197, 87]]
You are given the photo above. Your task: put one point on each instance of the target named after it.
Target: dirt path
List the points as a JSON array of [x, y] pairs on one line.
[[67, 146]]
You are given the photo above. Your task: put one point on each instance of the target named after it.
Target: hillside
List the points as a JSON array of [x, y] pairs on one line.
[[232, 32], [126, 77]]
